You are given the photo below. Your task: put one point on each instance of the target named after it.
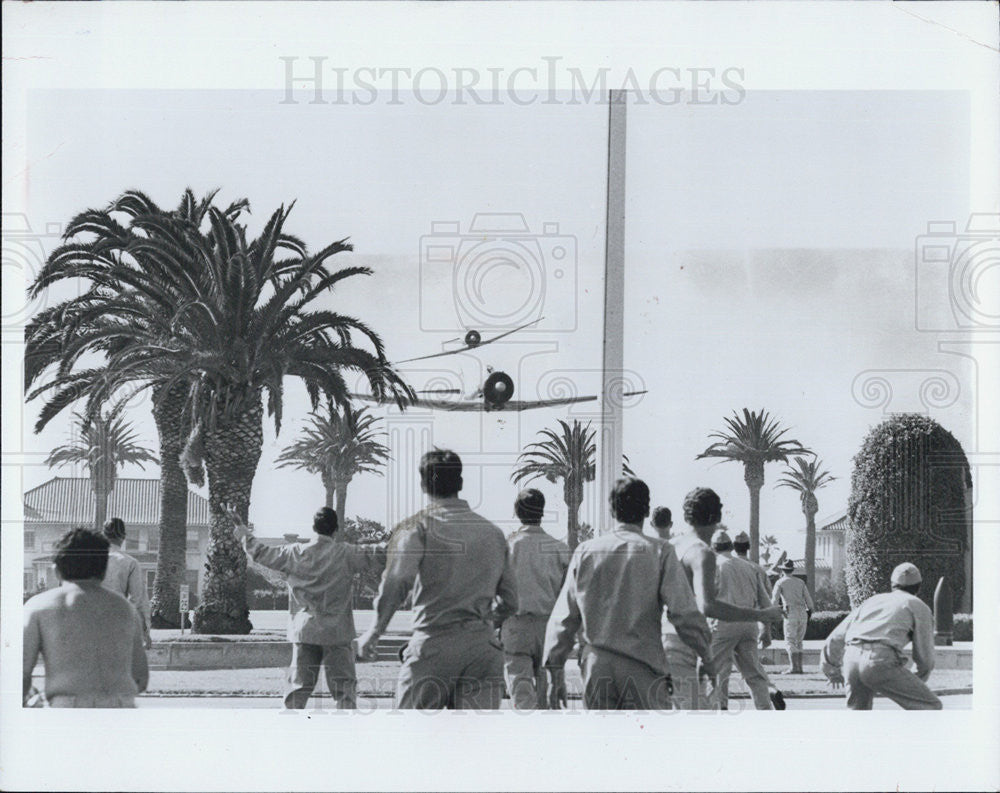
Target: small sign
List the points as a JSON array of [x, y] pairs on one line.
[[185, 598]]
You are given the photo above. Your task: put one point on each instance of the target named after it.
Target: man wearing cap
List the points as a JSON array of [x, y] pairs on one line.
[[619, 587], [866, 649], [741, 548], [737, 582], [702, 513], [539, 562], [793, 596]]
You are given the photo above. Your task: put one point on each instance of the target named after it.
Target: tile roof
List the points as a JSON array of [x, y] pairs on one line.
[[835, 522], [135, 501]]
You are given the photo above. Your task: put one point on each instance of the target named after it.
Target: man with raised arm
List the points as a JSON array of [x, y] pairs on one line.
[[320, 575], [702, 513], [457, 565], [866, 649], [618, 588]]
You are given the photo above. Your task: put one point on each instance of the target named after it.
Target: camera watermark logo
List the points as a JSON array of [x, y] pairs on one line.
[[958, 276], [25, 251], [497, 274]]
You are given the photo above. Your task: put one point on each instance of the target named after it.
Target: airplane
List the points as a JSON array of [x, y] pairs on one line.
[[495, 394]]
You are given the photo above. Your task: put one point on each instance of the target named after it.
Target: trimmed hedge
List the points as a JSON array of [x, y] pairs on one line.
[[907, 503], [822, 624]]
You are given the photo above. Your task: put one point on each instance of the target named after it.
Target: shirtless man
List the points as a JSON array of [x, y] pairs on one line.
[[702, 513], [90, 637]]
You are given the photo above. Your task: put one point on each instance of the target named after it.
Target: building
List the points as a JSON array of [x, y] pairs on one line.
[[62, 503]]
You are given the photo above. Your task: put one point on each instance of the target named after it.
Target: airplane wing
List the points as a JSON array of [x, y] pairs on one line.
[[468, 346], [469, 406]]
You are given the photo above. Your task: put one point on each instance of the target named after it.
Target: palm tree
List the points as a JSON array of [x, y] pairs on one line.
[[244, 326], [807, 479], [103, 443], [768, 544], [338, 446], [568, 456], [96, 250], [753, 439]]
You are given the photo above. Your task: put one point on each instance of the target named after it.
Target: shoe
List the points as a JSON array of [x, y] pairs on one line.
[[777, 699]]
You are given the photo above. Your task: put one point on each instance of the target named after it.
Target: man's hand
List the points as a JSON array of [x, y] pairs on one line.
[[710, 668], [836, 680], [368, 645], [557, 688], [771, 614], [765, 641]]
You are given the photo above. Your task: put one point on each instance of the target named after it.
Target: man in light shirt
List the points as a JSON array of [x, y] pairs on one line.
[[737, 582], [320, 575], [793, 596], [741, 549], [539, 562], [124, 575], [866, 649], [616, 590], [457, 564], [702, 513], [90, 637]]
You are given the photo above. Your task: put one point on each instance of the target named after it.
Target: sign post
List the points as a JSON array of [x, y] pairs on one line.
[[185, 599]]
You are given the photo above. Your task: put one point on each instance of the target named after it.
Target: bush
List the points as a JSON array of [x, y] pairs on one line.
[[821, 625], [832, 597], [963, 628], [907, 503]]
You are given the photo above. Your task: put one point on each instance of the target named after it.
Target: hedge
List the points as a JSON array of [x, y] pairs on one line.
[[907, 503], [822, 623]]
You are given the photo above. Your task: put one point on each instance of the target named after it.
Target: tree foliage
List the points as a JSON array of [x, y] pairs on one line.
[[907, 503]]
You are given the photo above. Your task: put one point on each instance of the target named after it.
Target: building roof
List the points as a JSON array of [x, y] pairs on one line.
[[835, 522], [135, 501]]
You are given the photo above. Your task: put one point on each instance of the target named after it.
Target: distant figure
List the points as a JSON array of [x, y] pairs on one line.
[[90, 638], [124, 575], [320, 575], [702, 513], [875, 634], [457, 564], [662, 522], [615, 593], [539, 562], [738, 583], [741, 547], [793, 596]]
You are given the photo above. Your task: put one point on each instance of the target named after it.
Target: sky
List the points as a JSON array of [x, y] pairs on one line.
[[769, 264]]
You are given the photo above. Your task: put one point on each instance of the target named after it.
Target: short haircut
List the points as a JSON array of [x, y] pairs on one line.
[[529, 506], [441, 473], [913, 589], [630, 500], [81, 554], [325, 521], [114, 530], [741, 547], [702, 507], [661, 517]]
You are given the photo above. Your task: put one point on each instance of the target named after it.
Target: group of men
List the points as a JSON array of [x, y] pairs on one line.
[[659, 621]]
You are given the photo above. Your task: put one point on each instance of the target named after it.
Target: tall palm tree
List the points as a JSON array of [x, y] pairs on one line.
[[768, 545], [754, 440], [568, 456], [244, 326], [807, 479], [338, 446], [103, 443], [96, 250]]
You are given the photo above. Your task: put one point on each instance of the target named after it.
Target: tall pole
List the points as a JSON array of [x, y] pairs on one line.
[[613, 361]]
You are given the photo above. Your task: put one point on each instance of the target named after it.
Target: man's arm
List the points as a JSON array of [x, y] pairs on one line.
[[703, 569], [366, 556], [563, 623], [682, 608], [833, 650], [278, 558], [406, 549], [32, 648], [506, 591], [137, 595], [923, 641], [140, 668], [809, 601]]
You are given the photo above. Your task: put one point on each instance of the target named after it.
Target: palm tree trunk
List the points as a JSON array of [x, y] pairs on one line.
[[232, 451], [171, 557], [753, 475], [341, 503], [101, 498], [810, 550], [573, 496]]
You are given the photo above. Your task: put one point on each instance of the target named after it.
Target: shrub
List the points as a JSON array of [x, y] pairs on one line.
[[963, 628], [821, 625], [832, 596], [364, 531], [907, 503]]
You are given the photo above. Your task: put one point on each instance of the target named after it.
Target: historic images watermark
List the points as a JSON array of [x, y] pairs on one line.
[[318, 80]]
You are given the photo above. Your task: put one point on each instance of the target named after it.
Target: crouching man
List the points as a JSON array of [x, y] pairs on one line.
[[866, 649]]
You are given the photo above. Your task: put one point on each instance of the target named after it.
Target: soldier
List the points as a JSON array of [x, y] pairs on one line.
[[702, 513], [875, 634], [539, 562], [320, 576], [457, 564], [615, 593], [738, 583], [741, 547], [793, 596], [124, 575]]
